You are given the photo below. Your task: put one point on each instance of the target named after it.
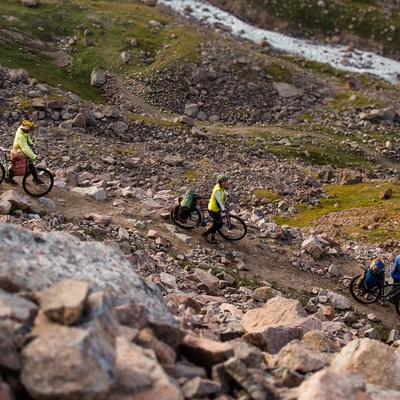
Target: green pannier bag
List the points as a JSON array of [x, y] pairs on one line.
[[187, 201]]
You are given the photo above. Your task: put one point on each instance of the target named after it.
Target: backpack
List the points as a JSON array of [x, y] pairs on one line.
[[372, 275]]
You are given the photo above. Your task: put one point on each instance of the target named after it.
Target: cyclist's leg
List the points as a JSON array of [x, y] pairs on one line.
[[10, 176], [217, 223], [32, 170]]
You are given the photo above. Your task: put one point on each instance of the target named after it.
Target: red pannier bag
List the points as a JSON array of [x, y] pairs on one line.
[[19, 162]]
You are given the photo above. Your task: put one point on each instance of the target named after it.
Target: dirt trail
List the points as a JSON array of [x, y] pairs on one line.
[[270, 263]]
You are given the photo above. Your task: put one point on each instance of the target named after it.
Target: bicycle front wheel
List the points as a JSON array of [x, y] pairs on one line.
[[363, 295], [2, 173], [233, 228], [189, 222], [41, 189]]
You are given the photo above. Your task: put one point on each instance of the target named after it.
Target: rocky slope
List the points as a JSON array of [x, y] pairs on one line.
[[111, 180], [103, 298]]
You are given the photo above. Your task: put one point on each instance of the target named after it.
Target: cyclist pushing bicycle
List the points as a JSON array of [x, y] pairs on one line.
[[24, 143], [215, 207], [371, 286], [189, 213]]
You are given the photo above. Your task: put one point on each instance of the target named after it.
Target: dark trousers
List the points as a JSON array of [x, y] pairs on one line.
[[217, 222]]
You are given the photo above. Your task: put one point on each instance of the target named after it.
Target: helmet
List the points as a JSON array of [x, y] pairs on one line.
[[27, 124], [221, 178]]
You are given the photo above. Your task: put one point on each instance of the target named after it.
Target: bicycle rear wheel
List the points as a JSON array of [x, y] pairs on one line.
[[233, 228], [193, 219], [363, 295], [38, 190], [2, 173]]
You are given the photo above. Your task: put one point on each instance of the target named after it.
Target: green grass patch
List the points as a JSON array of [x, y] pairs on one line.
[[342, 101], [325, 70], [319, 145], [192, 176], [310, 153], [180, 44], [92, 148], [42, 67], [359, 205], [124, 150], [262, 194], [279, 71], [325, 153], [339, 198]]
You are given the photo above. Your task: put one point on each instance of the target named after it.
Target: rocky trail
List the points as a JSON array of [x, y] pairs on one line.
[[273, 262], [150, 161]]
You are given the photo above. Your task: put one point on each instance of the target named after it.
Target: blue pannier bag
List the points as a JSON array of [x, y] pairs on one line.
[[373, 274]]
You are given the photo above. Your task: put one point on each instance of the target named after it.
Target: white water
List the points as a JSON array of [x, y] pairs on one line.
[[359, 61]]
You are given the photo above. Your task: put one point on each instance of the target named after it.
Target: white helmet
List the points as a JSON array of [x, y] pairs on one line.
[[221, 178]]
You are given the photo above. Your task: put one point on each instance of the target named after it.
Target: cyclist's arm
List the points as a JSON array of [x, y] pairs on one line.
[[219, 200], [23, 144]]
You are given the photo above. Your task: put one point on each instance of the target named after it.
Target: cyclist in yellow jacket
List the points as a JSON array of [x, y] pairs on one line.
[[215, 206], [24, 142]]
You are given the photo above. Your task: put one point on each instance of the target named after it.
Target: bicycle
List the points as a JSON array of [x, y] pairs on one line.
[[30, 187], [233, 227], [383, 292]]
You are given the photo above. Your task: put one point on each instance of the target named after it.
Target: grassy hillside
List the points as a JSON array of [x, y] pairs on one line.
[[100, 31]]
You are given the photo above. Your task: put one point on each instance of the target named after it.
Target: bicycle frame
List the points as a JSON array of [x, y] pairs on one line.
[[4, 160], [383, 292], [205, 212], [205, 215], [389, 291]]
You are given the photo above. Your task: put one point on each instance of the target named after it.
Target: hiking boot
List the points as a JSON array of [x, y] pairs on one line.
[[11, 181], [213, 240], [205, 236]]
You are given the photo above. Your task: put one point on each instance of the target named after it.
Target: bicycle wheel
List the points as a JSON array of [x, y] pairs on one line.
[[233, 228], [362, 295], [190, 222], [2, 173], [38, 190]]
